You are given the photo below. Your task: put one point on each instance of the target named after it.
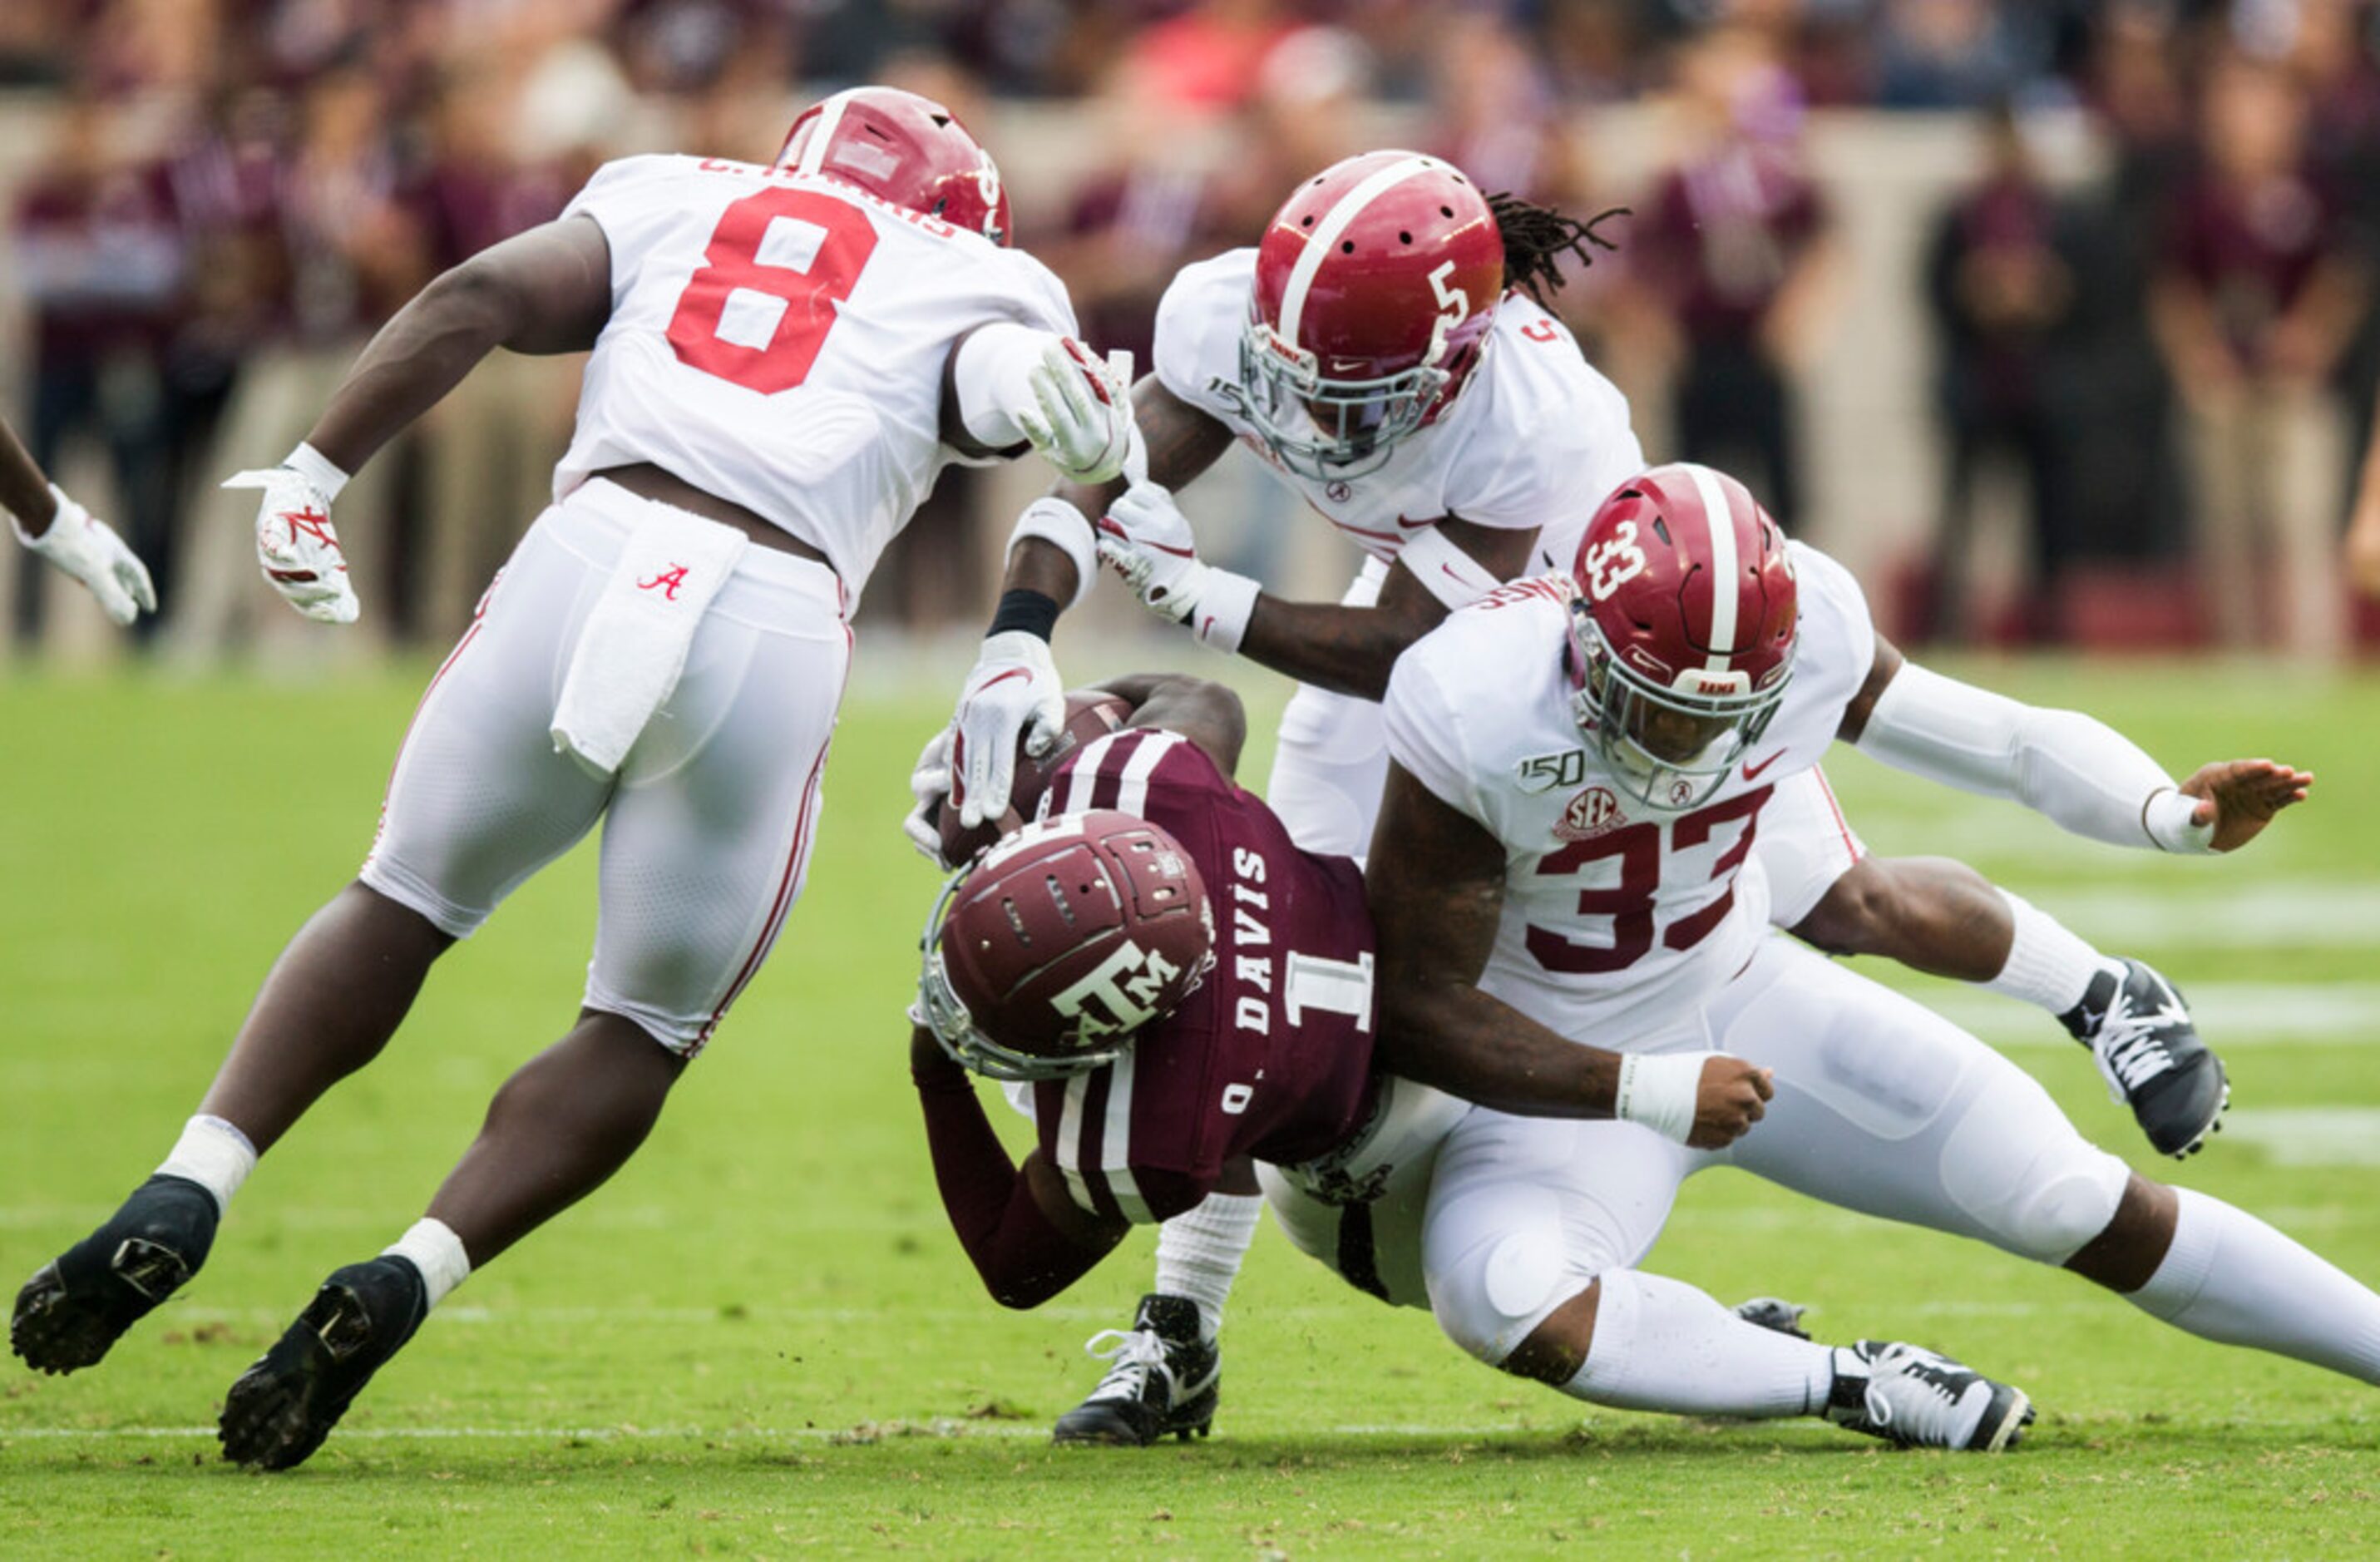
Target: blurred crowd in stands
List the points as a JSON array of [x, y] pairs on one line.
[[2177, 355]]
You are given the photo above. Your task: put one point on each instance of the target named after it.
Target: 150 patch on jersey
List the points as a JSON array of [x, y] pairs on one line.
[[1542, 773]]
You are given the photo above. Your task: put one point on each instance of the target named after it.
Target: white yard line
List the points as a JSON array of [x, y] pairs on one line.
[[2230, 1014]]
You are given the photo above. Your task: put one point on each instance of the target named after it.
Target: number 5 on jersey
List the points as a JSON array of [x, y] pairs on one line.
[[777, 266]]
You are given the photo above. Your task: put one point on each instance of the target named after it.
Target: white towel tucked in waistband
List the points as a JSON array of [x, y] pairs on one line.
[[634, 646]]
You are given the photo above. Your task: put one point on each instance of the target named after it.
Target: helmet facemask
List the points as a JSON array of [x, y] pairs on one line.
[[1332, 430], [1670, 748]]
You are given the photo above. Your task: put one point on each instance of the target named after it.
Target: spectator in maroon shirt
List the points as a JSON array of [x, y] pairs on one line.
[[100, 260], [1730, 248], [2258, 291]]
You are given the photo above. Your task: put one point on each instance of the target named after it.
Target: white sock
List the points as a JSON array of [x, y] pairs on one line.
[[2231, 1278], [1661, 1345], [2046, 964], [214, 1154], [433, 1249], [1198, 1253]]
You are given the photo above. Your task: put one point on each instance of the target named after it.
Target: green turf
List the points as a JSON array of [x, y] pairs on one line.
[[762, 1339]]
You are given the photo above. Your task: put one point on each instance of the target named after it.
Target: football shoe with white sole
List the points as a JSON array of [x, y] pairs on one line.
[[1918, 1398], [2140, 1034]]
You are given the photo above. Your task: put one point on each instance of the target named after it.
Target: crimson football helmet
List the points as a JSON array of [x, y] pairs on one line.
[[1063, 941], [1375, 285], [908, 149], [1681, 632]]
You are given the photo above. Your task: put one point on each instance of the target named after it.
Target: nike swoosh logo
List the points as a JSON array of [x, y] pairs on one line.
[[1426, 521], [995, 683], [1752, 772], [1177, 553]]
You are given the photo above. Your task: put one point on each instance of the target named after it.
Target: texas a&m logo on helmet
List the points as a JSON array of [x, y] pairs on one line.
[[1681, 632], [1375, 285], [1062, 940]]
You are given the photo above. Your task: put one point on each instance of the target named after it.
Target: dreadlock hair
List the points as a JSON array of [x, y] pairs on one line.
[[1535, 238]]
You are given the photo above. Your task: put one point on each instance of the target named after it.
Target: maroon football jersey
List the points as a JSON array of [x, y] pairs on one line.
[[1271, 1056]]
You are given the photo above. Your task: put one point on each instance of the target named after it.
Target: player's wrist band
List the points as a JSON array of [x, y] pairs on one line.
[[1065, 528], [316, 469], [1659, 1091], [1031, 610], [1226, 603], [2169, 818]]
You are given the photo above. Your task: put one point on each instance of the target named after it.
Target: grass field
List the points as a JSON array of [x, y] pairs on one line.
[[762, 1339]]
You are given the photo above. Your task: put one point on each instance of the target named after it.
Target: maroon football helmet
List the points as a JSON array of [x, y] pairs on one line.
[[1063, 941], [1375, 285], [908, 149], [1681, 632], [1090, 714]]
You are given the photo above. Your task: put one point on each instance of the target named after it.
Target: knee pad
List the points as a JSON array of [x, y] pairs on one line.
[[1495, 1266], [2035, 1187]]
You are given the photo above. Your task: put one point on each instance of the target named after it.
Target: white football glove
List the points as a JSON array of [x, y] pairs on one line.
[[87, 548], [1013, 689], [1145, 539], [929, 783], [1081, 421], [296, 545]]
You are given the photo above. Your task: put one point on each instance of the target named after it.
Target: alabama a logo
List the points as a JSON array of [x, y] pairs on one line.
[[1589, 814]]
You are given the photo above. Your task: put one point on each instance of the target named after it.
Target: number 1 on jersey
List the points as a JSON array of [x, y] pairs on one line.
[[800, 250]]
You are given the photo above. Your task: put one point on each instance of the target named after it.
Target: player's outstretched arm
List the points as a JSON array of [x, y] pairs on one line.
[[2074, 769], [548, 290], [1025, 1236], [1435, 883], [1014, 690], [72, 538], [1145, 537]]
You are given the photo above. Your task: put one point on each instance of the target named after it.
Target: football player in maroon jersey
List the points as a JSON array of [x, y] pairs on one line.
[[1181, 987]]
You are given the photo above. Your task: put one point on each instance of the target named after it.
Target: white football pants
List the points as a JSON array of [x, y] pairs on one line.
[[1882, 1107], [709, 825]]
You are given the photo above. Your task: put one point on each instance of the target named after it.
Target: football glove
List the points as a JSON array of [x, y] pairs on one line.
[[929, 783], [1145, 539], [1081, 420], [86, 547], [1013, 689], [296, 545]]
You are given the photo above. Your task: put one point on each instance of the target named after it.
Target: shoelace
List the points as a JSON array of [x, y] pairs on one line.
[[1132, 1354], [1929, 1415], [2131, 1048]]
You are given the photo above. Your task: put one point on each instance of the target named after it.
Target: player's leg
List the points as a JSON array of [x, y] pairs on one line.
[[1533, 1230], [1943, 917], [705, 847], [1885, 1107], [477, 801]]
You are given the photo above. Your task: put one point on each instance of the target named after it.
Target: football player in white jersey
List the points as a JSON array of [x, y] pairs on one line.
[[1387, 352], [783, 356], [1691, 663]]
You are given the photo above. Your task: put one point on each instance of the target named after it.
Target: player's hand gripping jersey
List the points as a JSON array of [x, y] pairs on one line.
[[1536, 436], [1615, 916], [778, 339], [1271, 1055]]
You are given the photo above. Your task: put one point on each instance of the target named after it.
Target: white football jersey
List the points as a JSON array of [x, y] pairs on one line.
[[1536, 437], [1617, 920], [779, 339]]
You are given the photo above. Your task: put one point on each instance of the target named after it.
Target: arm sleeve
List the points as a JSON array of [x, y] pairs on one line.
[[993, 375], [1024, 1260], [2079, 772]]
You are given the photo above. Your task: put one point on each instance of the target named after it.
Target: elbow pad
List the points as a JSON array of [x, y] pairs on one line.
[[2078, 772]]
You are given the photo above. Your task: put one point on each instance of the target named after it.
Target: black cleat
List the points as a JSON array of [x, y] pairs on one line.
[[1775, 1314], [2140, 1034], [281, 1408], [78, 1304], [1908, 1394], [1163, 1381]]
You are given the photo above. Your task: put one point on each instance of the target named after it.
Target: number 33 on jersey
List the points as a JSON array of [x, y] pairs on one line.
[[779, 339]]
